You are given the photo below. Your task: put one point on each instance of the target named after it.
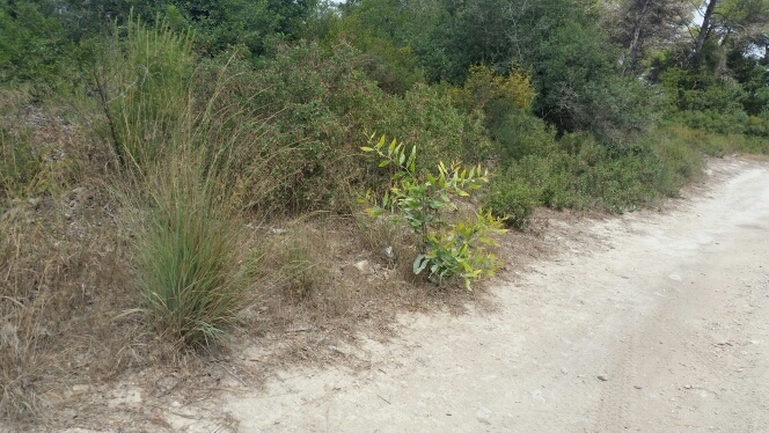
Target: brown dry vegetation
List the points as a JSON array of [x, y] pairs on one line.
[[63, 265]]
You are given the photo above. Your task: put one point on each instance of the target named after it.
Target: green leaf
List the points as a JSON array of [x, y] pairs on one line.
[[420, 263], [412, 159], [373, 212]]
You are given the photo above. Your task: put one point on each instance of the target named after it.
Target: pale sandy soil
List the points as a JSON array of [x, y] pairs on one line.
[[647, 322], [654, 321]]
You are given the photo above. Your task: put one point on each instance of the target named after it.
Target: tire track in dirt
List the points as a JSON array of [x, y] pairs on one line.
[[682, 379]]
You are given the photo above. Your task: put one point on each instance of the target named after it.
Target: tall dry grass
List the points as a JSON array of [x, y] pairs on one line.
[[62, 261]]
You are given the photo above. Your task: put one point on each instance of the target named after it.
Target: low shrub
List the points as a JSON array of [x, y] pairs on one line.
[[21, 165], [445, 249], [513, 200], [302, 272]]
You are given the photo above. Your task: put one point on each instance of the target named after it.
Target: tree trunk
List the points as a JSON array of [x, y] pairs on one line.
[[705, 28], [635, 43], [765, 61]]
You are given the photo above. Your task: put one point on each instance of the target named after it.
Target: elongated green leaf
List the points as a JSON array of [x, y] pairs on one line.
[[420, 263], [412, 160]]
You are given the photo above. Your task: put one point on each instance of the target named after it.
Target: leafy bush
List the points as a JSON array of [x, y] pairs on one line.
[[33, 47], [426, 115], [376, 30], [512, 200], [519, 134], [701, 100], [316, 102], [502, 104], [485, 89], [446, 250], [620, 109], [582, 173]]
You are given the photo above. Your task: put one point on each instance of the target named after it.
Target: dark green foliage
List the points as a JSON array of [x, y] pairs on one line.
[[319, 103], [382, 31], [33, 46], [699, 99], [220, 24], [512, 199], [554, 40], [425, 116], [519, 134], [580, 173]]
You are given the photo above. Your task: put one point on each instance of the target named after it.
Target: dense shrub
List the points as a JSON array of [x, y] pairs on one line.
[[425, 115], [33, 47], [512, 199], [319, 102]]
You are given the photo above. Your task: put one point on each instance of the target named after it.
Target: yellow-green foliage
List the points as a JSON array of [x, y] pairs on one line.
[[447, 249], [484, 86]]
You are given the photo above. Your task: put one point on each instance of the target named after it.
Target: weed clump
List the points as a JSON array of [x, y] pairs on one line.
[[188, 271]]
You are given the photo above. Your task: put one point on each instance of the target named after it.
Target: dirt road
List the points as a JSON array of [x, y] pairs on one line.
[[647, 322]]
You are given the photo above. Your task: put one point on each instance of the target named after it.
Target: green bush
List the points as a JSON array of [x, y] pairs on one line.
[[373, 28], [755, 145], [519, 134], [316, 103], [33, 47], [446, 250], [586, 174], [426, 115], [682, 161], [511, 199]]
